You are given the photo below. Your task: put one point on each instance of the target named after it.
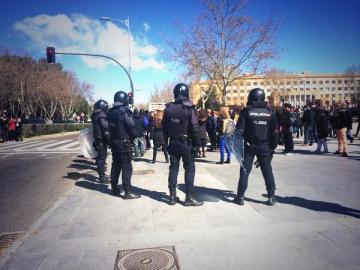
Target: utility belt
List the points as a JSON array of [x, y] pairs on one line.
[[181, 138]]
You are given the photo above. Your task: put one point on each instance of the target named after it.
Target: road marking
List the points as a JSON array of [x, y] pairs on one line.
[[67, 146], [16, 144], [32, 145], [6, 155], [52, 144]]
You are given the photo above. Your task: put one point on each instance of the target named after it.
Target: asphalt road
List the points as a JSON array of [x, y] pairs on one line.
[[34, 175]]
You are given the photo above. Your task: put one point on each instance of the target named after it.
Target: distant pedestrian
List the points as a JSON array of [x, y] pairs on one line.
[[18, 130], [4, 127], [321, 129], [223, 121], [203, 116], [309, 123], [158, 136], [12, 128], [211, 129], [341, 123], [139, 141], [287, 119]]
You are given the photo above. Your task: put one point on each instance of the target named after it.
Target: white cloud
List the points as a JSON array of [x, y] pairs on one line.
[[78, 33], [146, 26]]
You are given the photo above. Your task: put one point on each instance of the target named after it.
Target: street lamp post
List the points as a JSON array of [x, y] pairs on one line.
[[125, 22]]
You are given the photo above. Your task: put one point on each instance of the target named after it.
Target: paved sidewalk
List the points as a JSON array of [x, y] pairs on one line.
[[86, 228]]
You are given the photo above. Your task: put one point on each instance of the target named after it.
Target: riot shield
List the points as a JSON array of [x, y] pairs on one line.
[[235, 143], [86, 141]]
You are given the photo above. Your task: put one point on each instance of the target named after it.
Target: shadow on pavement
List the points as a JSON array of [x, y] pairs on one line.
[[84, 161], [94, 186], [210, 194], [313, 205], [155, 195], [76, 176], [137, 159], [82, 166], [205, 161]]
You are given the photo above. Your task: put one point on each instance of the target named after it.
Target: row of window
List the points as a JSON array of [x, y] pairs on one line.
[[301, 89], [297, 97], [346, 82]]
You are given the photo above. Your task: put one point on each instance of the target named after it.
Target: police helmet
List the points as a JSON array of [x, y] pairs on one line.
[[101, 105], [256, 95], [181, 90], [121, 99]]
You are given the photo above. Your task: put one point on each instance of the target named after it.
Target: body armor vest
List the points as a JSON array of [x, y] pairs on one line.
[[257, 125], [97, 130], [177, 120], [120, 139]]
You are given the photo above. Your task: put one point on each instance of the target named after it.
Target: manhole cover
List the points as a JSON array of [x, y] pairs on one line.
[[141, 172], [161, 258], [6, 240]]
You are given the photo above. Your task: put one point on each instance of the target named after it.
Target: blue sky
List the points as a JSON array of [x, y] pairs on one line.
[[317, 36]]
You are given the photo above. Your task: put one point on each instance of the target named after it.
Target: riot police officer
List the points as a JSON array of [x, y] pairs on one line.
[[180, 126], [122, 131], [258, 126], [101, 136]]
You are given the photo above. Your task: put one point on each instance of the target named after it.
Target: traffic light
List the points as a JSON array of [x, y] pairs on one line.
[[131, 99], [50, 55]]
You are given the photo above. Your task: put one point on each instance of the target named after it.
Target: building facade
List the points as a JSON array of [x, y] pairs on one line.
[[297, 89]]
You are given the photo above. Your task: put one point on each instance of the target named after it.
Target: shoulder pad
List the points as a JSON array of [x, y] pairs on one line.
[[167, 105], [188, 104], [102, 114]]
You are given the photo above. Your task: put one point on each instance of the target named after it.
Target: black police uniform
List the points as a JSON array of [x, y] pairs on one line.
[[180, 126], [101, 136], [258, 126], [122, 131]]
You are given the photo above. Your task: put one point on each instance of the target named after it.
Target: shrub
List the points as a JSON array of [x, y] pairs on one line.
[[30, 130]]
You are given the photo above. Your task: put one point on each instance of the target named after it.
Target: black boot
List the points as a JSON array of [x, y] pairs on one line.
[[190, 200], [128, 195], [220, 162], [173, 198], [115, 191], [239, 199], [271, 199], [154, 156], [103, 179]]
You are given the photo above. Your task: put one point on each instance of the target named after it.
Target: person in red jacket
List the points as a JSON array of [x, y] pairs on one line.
[[12, 128]]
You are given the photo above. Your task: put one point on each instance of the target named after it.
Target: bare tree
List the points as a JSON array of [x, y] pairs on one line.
[[224, 44], [162, 94], [353, 74]]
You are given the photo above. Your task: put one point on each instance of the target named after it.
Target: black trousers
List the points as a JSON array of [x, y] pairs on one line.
[[212, 137], [101, 158], [121, 163], [189, 167], [288, 142], [264, 158], [164, 148]]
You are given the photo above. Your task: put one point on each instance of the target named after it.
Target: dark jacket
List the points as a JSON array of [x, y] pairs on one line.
[[309, 118], [341, 120], [139, 124], [122, 129], [211, 124], [158, 136], [202, 129], [321, 123], [180, 125]]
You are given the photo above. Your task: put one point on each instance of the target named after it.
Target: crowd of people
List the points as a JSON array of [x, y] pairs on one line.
[[314, 123], [10, 128]]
